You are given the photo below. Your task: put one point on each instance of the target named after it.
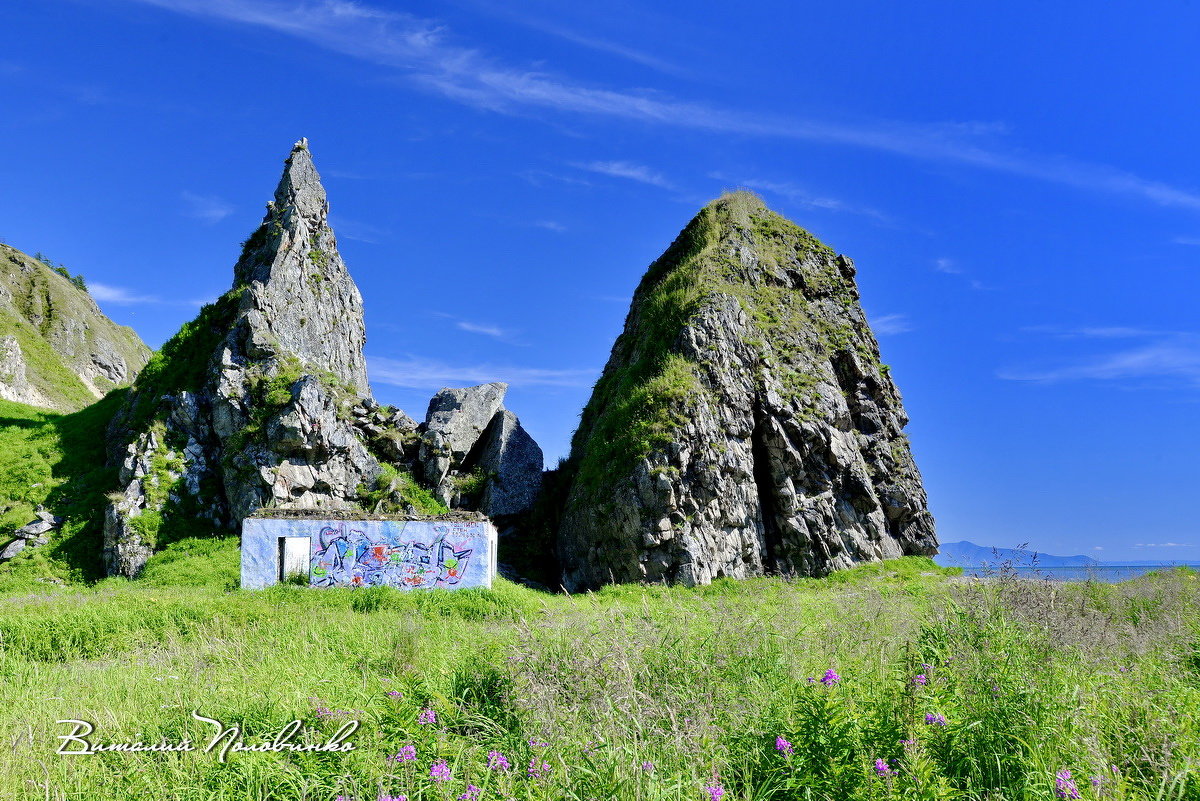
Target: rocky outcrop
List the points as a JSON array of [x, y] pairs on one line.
[[475, 454], [260, 401], [57, 349], [744, 423], [37, 532], [512, 464]]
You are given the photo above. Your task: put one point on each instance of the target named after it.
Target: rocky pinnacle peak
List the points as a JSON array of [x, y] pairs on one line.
[[300, 186], [302, 302]]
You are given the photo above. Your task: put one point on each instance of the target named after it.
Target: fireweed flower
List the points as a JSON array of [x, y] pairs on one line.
[[934, 720], [908, 743], [648, 766], [472, 794], [392, 798], [1064, 786], [496, 761], [830, 678], [440, 771], [426, 717], [920, 680], [538, 744], [538, 769], [406, 753], [783, 746], [394, 694], [883, 769], [1096, 781], [715, 792]]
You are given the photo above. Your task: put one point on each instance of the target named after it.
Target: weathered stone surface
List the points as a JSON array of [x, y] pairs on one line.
[[31, 530], [57, 349], [744, 423], [12, 549], [264, 401], [512, 464], [31, 534], [14, 381], [474, 454], [454, 425], [461, 416]]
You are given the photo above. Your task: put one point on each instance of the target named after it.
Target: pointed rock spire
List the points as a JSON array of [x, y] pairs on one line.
[[744, 423], [301, 300], [252, 403]]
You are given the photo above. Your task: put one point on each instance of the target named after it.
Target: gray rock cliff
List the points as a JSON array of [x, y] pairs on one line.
[[744, 423], [253, 403]]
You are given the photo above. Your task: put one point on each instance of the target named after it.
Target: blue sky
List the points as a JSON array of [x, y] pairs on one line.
[[1017, 184]]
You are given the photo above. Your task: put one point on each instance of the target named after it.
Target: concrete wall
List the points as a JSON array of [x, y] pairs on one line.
[[407, 554]]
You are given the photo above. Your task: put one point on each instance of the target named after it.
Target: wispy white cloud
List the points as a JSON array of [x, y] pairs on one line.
[[118, 295], [487, 330], [947, 266], [121, 296], [424, 51], [628, 170], [550, 225], [205, 208], [507, 335], [890, 324], [1160, 355], [802, 197], [420, 373], [1186, 240], [1163, 545], [358, 231], [591, 42], [1098, 332]]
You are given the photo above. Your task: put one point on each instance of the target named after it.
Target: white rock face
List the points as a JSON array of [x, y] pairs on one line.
[[468, 430], [14, 382]]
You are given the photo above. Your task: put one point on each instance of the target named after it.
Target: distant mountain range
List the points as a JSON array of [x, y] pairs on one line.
[[967, 554]]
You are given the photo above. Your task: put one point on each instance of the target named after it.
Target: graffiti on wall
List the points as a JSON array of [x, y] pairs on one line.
[[420, 556]]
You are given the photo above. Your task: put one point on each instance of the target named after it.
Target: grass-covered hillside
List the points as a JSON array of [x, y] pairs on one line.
[[57, 460], [888, 681], [57, 349]]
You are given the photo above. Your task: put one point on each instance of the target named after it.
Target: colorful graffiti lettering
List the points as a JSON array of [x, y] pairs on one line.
[[343, 556]]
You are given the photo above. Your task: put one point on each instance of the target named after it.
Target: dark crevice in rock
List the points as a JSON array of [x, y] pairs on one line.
[[764, 481]]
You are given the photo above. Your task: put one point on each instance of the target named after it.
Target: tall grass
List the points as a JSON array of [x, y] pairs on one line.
[[762, 689]]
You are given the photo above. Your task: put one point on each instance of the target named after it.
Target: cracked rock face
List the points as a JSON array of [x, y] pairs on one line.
[[469, 432], [253, 402], [512, 463], [744, 423]]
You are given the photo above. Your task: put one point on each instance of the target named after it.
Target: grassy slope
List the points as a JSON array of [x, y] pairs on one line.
[[56, 460], [1098, 680], [41, 301]]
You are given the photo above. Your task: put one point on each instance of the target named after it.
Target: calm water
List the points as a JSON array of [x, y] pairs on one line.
[[1106, 573]]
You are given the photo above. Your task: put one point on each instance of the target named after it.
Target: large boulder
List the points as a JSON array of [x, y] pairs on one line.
[[512, 464], [474, 453]]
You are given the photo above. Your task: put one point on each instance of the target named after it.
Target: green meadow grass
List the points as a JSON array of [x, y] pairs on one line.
[[633, 692]]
